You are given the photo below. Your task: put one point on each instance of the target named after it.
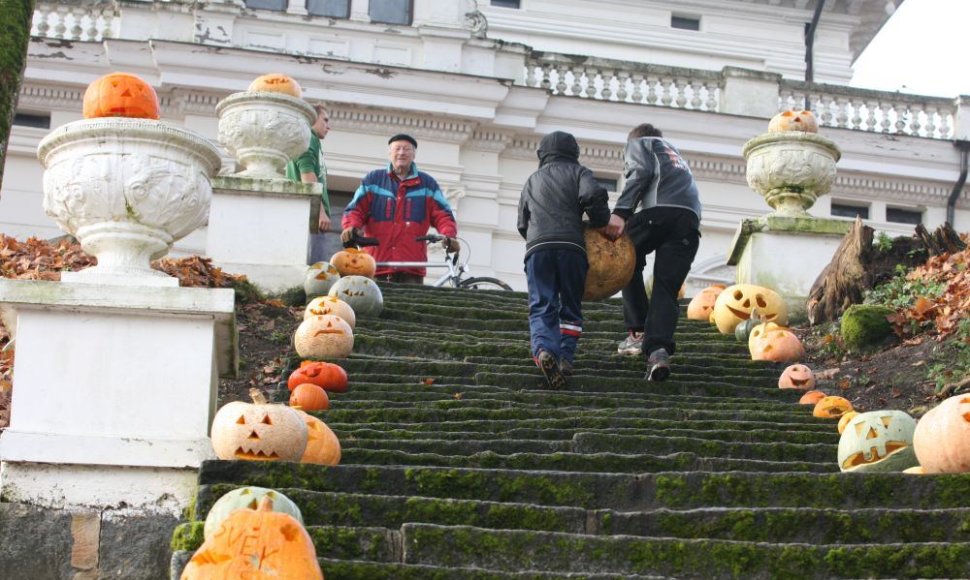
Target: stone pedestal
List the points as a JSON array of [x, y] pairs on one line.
[[113, 392], [261, 228], [785, 254]]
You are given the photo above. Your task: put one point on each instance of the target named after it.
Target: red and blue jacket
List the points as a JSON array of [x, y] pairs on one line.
[[395, 212]]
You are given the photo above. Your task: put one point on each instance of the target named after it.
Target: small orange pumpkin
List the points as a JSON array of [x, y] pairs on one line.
[[811, 398], [803, 121], [256, 543], [120, 95], [831, 407], [354, 262], [701, 305], [323, 447], [844, 420], [797, 376], [771, 342], [277, 83], [309, 397], [331, 377]]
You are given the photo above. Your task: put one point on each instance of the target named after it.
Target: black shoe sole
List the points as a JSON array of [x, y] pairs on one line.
[[658, 373], [550, 370]]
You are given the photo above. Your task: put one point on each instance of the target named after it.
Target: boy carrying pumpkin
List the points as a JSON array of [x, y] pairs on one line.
[[551, 209]]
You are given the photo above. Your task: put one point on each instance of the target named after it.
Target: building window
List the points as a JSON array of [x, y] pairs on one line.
[[608, 183], [390, 11], [850, 211], [685, 22], [331, 8], [904, 216], [277, 5], [506, 3], [32, 120]]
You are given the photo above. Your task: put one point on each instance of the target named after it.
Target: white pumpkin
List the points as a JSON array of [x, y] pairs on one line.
[[363, 295], [247, 498], [331, 305], [319, 279], [324, 337]]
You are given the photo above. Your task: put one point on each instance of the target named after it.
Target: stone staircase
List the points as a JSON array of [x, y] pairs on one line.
[[458, 464]]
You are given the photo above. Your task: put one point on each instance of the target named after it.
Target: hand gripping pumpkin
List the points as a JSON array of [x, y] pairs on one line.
[[323, 447], [258, 431], [329, 376], [878, 441], [120, 95], [702, 304], [319, 279], [324, 337], [277, 83], [942, 437], [247, 498], [735, 303], [256, 543], [309, 397], [803, 121], [331, 305], [354, 262], [797, 376]]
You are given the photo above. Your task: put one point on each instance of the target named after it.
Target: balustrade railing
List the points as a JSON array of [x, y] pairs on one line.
[[73, 21]]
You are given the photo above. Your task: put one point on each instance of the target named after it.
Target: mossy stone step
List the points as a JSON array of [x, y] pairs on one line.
[[582, 462], [618, 491], [359, 570]]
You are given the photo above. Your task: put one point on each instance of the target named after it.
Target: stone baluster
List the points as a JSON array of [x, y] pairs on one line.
[[60, 29], [622, 89], [825, 103], [901, 116], [931, 119], [946, 114], [42, 23], [712, 97], [872, 106], [607, 78], [546, 83], [638, 82], [915, 121], [652, 82], [666, 87], [561, 81], [885, 110], [695, 89], [856, 119], [842, 112], [76, 29]]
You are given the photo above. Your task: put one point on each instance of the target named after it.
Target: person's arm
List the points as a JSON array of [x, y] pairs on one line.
[[640, 168], [441, 216], [523, 222], [593, 199]]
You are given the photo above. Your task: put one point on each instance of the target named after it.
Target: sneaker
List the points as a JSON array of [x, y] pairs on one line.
[[632, 344], [566, 367], [658, 364], [550, 369]]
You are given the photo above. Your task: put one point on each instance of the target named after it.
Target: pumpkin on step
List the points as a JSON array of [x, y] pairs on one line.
[[324, 337], [319, 279], [331, 377], [256, 543], [354, 262], [811, 398], [735, 303], [831, 407], [844, 420], [331, 305], [309, 397], [797, 376], [702, 304], [258, 431], [362, 293], [247, 498], [323, 447], [771, 342], [277, 83], [120, 95], [878, 441], [942, 437]]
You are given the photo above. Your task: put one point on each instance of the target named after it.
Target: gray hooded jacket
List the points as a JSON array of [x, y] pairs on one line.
[[656, 176], [556, 196]]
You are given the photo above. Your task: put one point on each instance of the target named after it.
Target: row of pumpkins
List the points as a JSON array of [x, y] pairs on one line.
[[886, 440]]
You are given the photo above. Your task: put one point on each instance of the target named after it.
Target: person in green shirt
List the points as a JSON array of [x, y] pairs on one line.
[[310, 168]]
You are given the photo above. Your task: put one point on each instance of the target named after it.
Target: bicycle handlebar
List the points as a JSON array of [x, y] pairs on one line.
[[363, 241]]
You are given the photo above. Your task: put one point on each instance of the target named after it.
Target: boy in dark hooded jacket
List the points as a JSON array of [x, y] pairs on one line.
[[551, 208]]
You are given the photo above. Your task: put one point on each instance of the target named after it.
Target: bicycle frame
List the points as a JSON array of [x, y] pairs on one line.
[[453, 274]]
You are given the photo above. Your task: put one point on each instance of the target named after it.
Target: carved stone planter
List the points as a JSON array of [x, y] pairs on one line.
[[264, 131], [791, 169], [126, 189]]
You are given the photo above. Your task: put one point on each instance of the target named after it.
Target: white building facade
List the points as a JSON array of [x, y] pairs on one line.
[[479, 83]]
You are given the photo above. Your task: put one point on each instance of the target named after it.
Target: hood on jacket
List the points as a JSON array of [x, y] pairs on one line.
[[558, 146]]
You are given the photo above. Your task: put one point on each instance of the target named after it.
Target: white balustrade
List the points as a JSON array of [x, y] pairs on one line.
[[73, 22]]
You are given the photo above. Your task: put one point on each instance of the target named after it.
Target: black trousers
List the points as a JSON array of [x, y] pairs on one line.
[[673, 234]]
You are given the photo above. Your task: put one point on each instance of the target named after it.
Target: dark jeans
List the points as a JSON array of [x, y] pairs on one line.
[[556, 281], [674, 235]]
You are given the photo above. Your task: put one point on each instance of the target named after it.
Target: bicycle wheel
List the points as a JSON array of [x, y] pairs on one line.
[[484, 283]]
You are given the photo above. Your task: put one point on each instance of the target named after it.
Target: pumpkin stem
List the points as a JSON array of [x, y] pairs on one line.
[[257, 396], [265, 504]]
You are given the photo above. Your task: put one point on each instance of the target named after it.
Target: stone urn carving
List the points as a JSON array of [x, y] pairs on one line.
[[791, 169], [126, 189], [263, 131]]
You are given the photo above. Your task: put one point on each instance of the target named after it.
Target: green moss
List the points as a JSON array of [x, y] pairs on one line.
[[187, 537], [865, 325]]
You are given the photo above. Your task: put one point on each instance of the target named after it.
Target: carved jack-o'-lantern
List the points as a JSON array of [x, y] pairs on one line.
[[362, 293], [877, 441], [803, 121], [258, 432], [256, 543], [323, 447], [120, 95], [354, 262], [247, 498], [775, 343], [811, 398], [331, 305], [329, 376], [702, 304], [324, 337], [736, 302], [319, 279], [844, 420], [309, 397], [611, 264], [831, 407], [277, 83], [797, 376], [942, 438]]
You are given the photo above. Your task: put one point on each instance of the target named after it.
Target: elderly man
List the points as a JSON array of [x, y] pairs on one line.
[[396, 204]]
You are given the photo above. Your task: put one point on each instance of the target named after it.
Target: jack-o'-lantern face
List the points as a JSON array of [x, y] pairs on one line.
[[324, 337], [702, 305], [354, 262], [362, 293], [323, 447], [803, 121], [775, 343], [736, 302], [878, 441], [797, 376], [331, 305], [277, 83], [831, 407], [319, 279], [120, 95], [255, 432]]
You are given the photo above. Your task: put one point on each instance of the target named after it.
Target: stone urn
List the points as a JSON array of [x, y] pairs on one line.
[[791, 169], [126, 189], [264, 130]]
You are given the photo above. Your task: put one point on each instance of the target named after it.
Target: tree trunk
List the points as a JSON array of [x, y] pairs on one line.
[[14, 37], [843, 282], [943, 241]]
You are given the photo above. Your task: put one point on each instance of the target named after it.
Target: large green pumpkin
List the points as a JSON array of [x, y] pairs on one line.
[[878, 441], [247, 498], [363, 295]]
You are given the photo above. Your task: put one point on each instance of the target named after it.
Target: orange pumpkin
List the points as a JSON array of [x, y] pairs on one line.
[[309, 397], [256, 543], [811, 398], [324, 337], [797, 376], [354, 262], [120, 95], [771, 342], [277, 83], [737, 303], [942, 437], [323, 447], [831, 407], [844, 420], [803, 121], [701, 305], [329, 376]]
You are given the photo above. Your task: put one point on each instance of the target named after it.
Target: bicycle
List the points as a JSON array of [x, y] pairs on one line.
[[456, 270]]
